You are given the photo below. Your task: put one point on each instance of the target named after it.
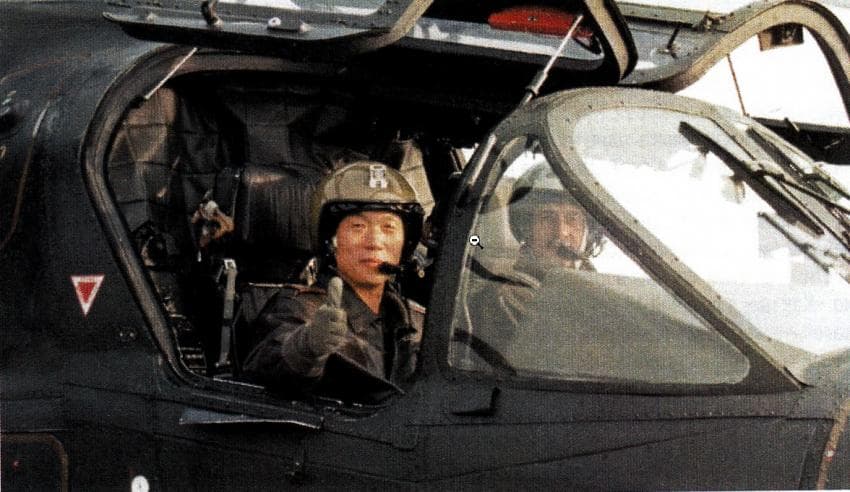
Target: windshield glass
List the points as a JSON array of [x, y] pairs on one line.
[[788, 282], [546, 293]]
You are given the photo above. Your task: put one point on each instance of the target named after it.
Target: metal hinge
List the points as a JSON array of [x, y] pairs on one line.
[[710, 21]]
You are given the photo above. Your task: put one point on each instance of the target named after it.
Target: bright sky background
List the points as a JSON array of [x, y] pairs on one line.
[[792, 82]]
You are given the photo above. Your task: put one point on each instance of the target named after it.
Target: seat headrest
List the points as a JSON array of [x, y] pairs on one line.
[[272, 220], [273, 207]]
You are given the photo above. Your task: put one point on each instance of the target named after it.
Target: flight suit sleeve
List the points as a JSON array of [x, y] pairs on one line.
[[282, 356], [499, 309]]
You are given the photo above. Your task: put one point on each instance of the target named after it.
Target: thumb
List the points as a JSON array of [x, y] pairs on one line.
[[335, 293]]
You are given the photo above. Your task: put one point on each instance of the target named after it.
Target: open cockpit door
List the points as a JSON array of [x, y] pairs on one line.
[[785, 63], [676, 46], [316, 29]]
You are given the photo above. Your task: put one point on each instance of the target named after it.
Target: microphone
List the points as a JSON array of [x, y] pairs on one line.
[[567, 253], [389, 269]]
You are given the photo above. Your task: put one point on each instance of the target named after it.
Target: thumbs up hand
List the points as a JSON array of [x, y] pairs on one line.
[[329, 328]]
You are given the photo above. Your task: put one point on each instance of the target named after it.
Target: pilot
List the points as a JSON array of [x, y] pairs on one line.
[[554, 232], [367, 222], [552, 228]]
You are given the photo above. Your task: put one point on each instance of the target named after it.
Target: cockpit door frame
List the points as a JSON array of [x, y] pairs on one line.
[[561, 114], [301, 34], [291, 32], [548, 119], [707, 41]]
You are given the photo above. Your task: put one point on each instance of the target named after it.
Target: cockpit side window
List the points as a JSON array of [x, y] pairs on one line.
[[547, 294]]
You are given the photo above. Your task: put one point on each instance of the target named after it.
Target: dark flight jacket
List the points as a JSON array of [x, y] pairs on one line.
[[385, 345]]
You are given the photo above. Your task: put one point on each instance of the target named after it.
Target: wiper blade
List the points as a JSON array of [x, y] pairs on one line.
[[814, 194], [809, 249], [764, 177], [817, 174], [811, 185]]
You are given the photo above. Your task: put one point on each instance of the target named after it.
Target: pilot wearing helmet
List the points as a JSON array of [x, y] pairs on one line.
[[367, 222], [554, 232]]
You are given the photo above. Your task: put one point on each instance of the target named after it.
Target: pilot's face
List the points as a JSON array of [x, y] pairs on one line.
[[558, 225], [364, 241]]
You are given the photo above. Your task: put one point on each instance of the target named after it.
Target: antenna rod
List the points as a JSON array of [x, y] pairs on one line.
[[174, 69], [533, 89]]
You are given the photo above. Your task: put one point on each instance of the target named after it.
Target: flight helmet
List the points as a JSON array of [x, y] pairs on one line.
[[365, 186]]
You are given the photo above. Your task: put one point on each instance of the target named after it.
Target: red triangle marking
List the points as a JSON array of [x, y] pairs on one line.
[[85, 289]]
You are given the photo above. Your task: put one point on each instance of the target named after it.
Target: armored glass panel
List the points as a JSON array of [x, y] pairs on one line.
[[546, 293], [790, 283]]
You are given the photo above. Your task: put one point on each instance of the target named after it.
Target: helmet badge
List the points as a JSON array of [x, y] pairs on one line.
[[377, 176]]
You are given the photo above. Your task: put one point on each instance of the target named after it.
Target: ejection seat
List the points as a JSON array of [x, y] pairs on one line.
[[268, 247]]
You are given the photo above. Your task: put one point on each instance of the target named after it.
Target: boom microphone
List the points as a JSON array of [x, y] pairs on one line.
[[389, 269], [567, 253]]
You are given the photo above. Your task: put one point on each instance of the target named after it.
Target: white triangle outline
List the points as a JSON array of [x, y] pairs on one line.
[[81, 279]]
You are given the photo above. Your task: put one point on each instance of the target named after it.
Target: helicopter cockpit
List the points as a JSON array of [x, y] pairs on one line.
[[213, 163], [212, 168]]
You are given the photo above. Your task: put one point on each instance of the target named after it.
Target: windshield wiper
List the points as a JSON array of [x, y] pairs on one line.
[[809, 249], [811, 188], [817, 174], [764, 177]]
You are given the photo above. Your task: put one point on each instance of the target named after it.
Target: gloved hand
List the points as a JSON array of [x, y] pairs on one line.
[[516, 298], [329, 329]]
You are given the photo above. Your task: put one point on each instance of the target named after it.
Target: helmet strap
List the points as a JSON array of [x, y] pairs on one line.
[[583, 246], [330, 249]]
